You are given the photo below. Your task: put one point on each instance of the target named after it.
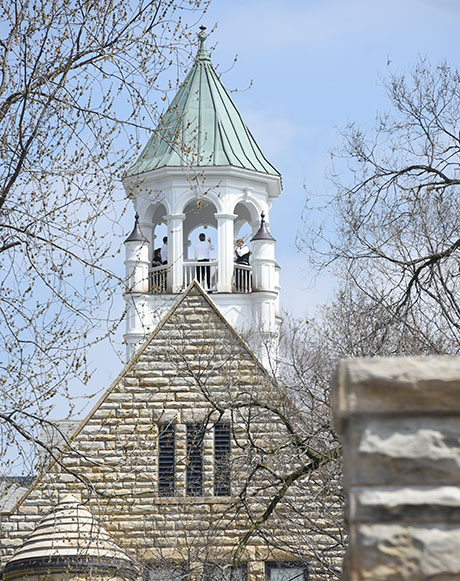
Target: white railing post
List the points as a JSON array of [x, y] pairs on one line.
[[194, 269], [242, 278], [225, 252], [175, 252]]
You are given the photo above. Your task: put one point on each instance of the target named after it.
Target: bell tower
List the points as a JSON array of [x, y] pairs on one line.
[[201, 172]]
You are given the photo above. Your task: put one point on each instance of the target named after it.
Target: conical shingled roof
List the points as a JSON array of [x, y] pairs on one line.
[[136, 235], [69, 536], [263, 233], [202, 127]]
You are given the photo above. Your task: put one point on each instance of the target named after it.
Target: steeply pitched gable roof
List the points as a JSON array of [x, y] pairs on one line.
[[193, 339], [193, 370], [202, 127]]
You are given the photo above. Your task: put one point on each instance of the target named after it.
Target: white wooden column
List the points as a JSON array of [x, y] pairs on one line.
[[137, 266], [263, 265], [175, 276], [225, 233]]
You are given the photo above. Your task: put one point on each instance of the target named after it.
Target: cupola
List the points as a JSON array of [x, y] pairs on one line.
[[201, 175]]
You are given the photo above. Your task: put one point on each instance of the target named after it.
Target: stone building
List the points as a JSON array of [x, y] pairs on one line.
[[195, 464]]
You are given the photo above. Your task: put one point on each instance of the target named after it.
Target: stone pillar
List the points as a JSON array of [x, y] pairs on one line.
[[175, 276], [400, 424], [225, 248], [147, 229]]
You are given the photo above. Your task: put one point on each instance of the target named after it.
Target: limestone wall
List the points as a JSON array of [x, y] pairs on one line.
[[400, 424], [193, 370]]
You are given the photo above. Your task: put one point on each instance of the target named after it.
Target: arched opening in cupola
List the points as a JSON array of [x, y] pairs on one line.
[[243, 229], [155, 229], [159, 228], [199, 218], [200, 243], [246, 222]]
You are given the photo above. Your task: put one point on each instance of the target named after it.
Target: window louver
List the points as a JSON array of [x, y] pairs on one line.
[[222, 460], [166, 460], [194, 483]]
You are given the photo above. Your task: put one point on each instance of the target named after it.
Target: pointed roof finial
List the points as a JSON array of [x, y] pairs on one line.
[[202, 52], [263, 232], [136, 235]]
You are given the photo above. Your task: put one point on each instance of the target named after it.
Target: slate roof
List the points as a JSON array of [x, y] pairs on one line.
[[12, 488], [202, 127]]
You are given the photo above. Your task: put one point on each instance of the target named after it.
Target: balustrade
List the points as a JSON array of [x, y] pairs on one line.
[[205, 273], [242, 278], [157, 278]]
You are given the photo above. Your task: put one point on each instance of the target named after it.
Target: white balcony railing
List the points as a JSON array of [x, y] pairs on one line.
[[158, 279], [204, 272], [242, 278]]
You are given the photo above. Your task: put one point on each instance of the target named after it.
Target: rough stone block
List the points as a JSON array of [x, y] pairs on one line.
[[394, 552], [400, 422], [422, 504], [403, 450], [396, 385]]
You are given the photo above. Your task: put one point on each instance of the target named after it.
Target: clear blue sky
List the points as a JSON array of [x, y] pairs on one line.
[[315, 65]]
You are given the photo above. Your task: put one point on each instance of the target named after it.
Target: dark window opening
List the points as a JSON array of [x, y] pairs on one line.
[[166, 460], [165, 572], [222, 460], [194, 474], [214, 572], [293, 571]]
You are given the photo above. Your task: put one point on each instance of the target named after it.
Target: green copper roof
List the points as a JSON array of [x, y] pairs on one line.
[[202, 127]]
